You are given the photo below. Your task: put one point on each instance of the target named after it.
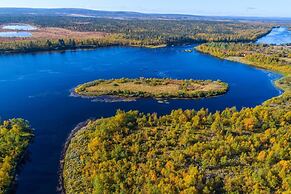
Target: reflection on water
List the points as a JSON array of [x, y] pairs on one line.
[[277, 36]]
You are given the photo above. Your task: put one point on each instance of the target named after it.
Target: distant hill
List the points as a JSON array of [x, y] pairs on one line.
[[72, 12]]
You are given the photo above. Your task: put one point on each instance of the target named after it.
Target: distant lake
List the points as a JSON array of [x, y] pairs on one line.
[[277, 36], [37, 87], [24, 27], [15, 34]]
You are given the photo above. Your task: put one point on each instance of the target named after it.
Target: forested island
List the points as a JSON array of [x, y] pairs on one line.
[[246, 151], [15, 136], [153, 87]]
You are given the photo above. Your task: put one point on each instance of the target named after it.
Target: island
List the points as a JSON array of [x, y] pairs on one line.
[[15, 136], [152, 87]]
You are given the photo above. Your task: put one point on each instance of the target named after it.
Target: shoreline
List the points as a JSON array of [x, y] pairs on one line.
[[84, 48], [94, 47], [19, 163], [128, 99], [134, 96], [60, 187], [12, 188], [261, 36], [274, 81], [117, 98]]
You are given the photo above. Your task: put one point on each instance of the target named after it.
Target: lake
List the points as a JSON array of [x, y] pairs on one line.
[[277, 36], [37, 88], [15, 34], [23, 27], [20, 33]]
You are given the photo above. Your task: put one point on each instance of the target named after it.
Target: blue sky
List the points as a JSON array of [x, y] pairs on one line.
[[269, 8]]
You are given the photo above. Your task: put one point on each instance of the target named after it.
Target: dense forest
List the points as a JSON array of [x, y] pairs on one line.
[[276, 58], [163, 30], [15, 136], [146, 33], [58, 44], [245, 151], [153, 87]]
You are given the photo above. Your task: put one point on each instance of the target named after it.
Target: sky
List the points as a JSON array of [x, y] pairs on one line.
[[261, 8]]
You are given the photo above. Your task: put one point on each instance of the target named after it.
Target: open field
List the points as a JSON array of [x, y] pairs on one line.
[[54, 33], [50, 33], [157, 88]]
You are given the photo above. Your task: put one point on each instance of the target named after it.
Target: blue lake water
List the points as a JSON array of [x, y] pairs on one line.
[[277, 36], [23, 27], [37, 87], [15, 34]]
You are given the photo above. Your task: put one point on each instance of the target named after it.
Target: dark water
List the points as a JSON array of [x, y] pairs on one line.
[[36, 87], [277, 36]]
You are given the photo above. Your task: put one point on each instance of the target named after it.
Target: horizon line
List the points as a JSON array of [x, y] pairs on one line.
[[153, 13]]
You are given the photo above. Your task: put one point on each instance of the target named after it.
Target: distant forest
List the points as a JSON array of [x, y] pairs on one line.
[[143, 33], [129, 29], [160, 30]]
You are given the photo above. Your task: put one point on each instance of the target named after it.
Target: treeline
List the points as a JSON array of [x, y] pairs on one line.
[[138, 32], [241, 49], [245, 151], [276, 58], [15, 136], [35, 45], [60, 44], [166, 30]]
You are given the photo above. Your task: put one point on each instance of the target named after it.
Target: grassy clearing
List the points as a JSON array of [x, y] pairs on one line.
[[157, 88]]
